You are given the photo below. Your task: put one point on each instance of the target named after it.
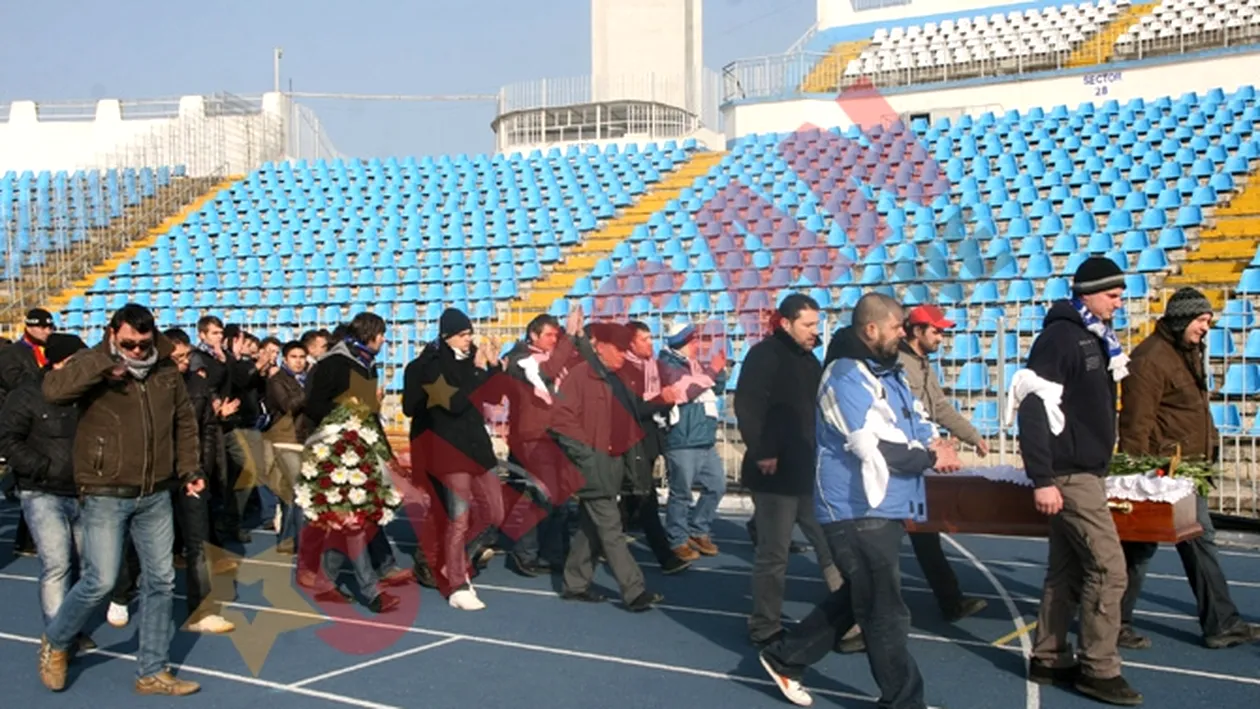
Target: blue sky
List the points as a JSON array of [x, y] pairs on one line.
[[69, 50]]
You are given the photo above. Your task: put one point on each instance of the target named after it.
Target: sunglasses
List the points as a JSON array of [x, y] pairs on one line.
[[141, 346]]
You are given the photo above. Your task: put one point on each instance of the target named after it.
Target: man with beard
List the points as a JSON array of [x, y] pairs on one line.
[[774, 405], [1164, 411], [874, 444]]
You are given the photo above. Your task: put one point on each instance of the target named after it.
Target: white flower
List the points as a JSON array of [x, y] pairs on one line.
[[339, 477], [333, 496], [309, 471], [393, 499], [357, 478], [369, 436], [357, 496], [350, 459], [387, 516], [321, 451], [303, 498]]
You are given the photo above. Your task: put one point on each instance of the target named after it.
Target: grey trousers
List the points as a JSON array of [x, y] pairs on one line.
[[599, 528], [775, 516]]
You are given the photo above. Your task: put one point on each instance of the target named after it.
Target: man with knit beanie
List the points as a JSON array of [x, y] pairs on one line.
[[1066, 399], [1165, 410]]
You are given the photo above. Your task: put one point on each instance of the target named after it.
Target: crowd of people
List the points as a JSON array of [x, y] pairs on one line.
[[133, 455]]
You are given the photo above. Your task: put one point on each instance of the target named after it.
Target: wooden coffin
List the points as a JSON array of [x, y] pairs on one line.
[[975, 505]]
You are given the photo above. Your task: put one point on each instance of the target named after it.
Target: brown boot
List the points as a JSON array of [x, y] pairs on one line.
[[686, 553], [52, 666], [704, 545], [164, 683]]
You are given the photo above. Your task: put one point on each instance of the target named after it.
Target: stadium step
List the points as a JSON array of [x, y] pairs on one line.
[[198, 192], [826, 75], [1099, 48], [1226, 245], [582, 258]]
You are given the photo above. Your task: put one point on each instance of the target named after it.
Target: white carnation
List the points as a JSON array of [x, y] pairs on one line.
[[333, 496], [339, 477], [357, 496], [321, 451], [350, 459], [387, 516], [357, 478], [309, 471], [393, 499], [369, 436]]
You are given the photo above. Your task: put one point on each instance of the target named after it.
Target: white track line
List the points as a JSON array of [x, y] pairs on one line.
[[372, 663], [218, 674], [1032, 690]]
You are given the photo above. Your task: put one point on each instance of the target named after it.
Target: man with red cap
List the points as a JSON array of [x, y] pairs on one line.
[[925, 327]]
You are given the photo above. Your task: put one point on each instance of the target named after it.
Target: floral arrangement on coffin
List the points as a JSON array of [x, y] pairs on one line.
[[1200, 471], [345, 482]]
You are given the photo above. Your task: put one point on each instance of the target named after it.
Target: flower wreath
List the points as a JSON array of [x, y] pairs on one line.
[[345, 480]]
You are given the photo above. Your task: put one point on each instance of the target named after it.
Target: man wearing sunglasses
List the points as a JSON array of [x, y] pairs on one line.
[[136, 441]]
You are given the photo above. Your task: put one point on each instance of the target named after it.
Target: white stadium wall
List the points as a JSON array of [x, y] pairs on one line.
[[841, 13], [207, 135], [659, 40], [1071, 89]]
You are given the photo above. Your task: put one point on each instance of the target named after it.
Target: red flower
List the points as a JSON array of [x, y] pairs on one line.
[[339, 448], [327, 466], [365, 468], [360, 449], [325, 483], [370, 486], [320, 499], [351, 435]]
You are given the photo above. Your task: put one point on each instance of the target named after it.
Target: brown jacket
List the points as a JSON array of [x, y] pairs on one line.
[[134, 437], [286, 399], [1162, 403], [926, 388]]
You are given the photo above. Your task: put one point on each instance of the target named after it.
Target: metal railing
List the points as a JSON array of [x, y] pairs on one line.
[[785, 75]]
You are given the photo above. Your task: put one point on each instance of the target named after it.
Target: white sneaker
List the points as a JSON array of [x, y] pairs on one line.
[[791, 688], [466, 600], [213, 625], [118, 615]]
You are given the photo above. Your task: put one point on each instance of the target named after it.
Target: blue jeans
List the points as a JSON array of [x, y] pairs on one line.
[[687, 467], [867, 551], [106, 521], [54, 524], [289, 462]]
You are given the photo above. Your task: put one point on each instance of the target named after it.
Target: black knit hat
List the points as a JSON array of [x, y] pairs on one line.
[[1183, 307], [61, 346], [453, 322], [1096, 275]]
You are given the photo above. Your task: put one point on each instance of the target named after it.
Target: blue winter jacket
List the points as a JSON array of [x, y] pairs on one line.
[[867, 421], [694, 429]]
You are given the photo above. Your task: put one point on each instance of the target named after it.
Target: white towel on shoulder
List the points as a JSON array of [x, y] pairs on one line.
[[1027, 383]]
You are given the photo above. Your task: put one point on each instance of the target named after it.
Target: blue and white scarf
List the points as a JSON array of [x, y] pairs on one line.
[[1119, 364], [300, 378]]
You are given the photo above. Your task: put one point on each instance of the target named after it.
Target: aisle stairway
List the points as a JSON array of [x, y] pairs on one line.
[[207, 190], [1226, 246], [581, 258], [1100, 48], [826, 75]]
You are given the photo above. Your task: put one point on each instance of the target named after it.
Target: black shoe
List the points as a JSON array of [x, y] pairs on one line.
[[424, 575], [1062, 676], [966, 607], [767, 641], [1240, 634], [383, 603], [244, 537], [1113, 690], [673, 565], [851, 646], [530, 569], [644, 602], [587, 596], [1131, 639]]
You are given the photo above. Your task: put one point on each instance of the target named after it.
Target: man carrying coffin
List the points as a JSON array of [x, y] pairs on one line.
[[1164, 411], [1066, 399]]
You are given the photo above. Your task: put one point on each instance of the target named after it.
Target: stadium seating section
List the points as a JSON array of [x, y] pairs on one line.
[[1038, 38], [49, 212], [987, 215]]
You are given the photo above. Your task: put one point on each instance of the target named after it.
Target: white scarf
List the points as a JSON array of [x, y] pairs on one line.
[[1027, 383], [651, 375]]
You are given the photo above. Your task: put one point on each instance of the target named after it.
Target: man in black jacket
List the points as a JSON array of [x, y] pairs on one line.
[[21, 362], [1067, 432], [37, 438], [774, 406], [451, 447]]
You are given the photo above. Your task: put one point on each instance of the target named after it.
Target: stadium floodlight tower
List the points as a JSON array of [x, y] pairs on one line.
[[647, 83]]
